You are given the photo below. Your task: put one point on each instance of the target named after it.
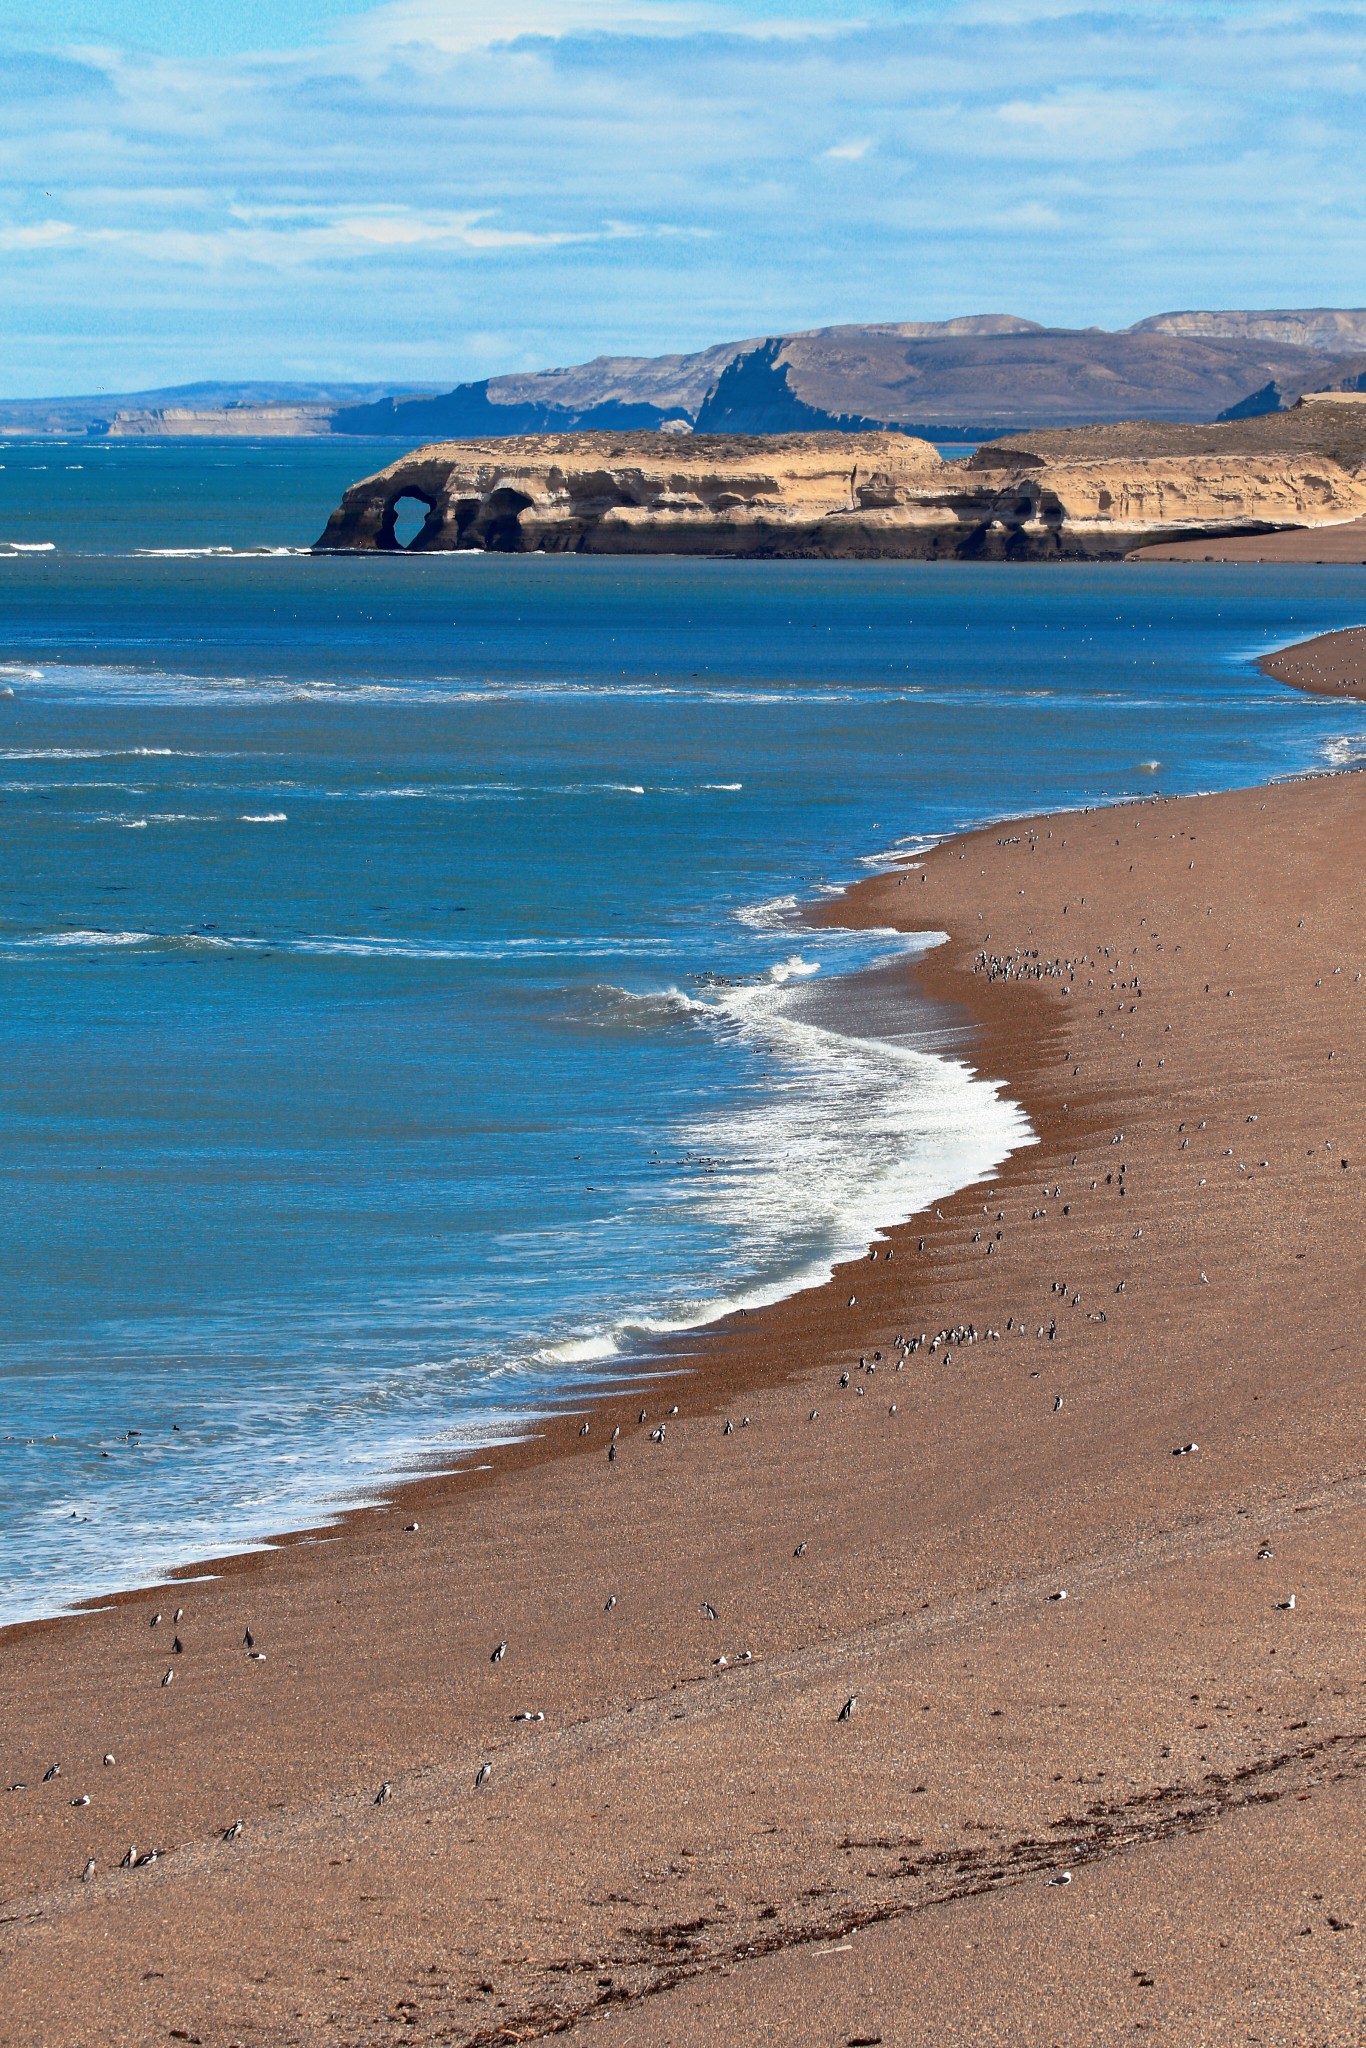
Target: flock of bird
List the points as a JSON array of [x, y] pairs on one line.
[[1124, 984]]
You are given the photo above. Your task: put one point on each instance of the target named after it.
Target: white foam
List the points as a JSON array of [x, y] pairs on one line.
[[81, 938], [91, 680], [779, 913], [31, 547], [859, 1136], [846, 1138], [93, 753], [227, 554], [580, 1351], [642, 1010], [793, 968], [264, 818]]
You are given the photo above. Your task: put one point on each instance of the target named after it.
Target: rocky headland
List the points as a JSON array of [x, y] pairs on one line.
[[843, 495]]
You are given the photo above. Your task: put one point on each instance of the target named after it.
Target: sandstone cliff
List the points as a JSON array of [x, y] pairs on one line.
[[248, 422], [822, 495], [1331, 330]]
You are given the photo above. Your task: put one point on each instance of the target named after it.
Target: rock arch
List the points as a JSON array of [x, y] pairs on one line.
[[431, 525]]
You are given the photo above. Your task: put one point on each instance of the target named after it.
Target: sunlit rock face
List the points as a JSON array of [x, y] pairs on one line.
[[815, 495]]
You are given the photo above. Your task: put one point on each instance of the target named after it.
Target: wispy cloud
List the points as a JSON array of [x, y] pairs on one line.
[[457, 26], [1097, 123], [293, 241], [39, 234], [553, 178]]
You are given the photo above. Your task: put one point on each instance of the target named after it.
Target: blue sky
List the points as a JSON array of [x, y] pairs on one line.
[[439, 189]]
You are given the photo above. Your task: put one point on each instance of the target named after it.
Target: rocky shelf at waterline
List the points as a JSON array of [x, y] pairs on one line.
[[814, 495]]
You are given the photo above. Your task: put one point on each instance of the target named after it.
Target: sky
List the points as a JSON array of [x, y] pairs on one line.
[[436, 190]]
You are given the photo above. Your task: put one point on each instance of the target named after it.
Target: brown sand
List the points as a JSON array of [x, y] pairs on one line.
[[1344, 543], [685, 1852], [1331, 665]]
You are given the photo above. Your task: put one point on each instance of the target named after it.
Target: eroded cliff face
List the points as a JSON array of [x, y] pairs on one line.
[[880, 494]]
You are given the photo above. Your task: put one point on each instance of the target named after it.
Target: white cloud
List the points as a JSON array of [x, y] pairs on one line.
[[564, 177], [457, 26], [279, 238], [1094, 122], [41, 234]]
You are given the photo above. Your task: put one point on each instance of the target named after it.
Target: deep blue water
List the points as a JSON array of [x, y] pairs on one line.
[[404, 1006]]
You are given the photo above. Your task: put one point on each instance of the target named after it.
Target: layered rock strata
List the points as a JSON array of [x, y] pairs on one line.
[[823, 495], [218, 423]]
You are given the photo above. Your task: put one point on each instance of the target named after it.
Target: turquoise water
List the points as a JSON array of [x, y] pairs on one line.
[[405, 1010]]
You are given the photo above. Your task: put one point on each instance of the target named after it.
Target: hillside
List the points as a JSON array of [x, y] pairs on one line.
[[956, 379], [1336, 433], [966, 379]]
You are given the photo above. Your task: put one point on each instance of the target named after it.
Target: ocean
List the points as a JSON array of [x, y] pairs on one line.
[[408, 1017]]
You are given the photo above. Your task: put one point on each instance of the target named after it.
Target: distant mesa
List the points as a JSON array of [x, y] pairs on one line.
[[1330, 330], [953, 380], [207, 407], [237, 420], [963, 380]]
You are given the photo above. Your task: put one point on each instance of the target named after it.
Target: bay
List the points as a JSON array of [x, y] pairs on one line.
[[407, 1014]]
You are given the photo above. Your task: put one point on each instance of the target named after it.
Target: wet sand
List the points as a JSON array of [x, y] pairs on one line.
[[1330, 665], [689, 1850], [1342, 543]]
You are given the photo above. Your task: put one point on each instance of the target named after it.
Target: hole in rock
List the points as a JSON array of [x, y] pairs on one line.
[[408, 516], [500, 520]]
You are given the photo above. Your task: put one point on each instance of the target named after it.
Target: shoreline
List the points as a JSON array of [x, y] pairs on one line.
[[681, 1353], [1330, 664], [1342, 542], [898, 1541]]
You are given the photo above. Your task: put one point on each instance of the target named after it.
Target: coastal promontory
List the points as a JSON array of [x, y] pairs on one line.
[[835, 495]]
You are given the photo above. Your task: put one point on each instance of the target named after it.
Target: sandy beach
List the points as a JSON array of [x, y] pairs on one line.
[[1330, 665], [1342, 542], [795, 1737]]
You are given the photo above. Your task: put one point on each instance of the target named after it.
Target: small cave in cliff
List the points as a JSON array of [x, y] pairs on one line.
[[409, 521], [498, 526]]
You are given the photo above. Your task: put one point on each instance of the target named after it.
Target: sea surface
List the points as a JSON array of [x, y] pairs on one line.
[[406, 1011]]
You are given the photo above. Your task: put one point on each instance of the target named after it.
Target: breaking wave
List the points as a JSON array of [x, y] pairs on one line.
[[842, 1137]]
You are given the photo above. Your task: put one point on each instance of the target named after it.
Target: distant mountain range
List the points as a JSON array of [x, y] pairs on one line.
[[949, 379], [965, 379], [94, 413]]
